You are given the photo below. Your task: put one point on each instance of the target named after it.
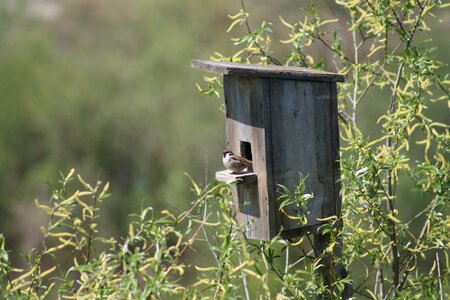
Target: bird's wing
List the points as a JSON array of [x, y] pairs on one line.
[[244, 161]]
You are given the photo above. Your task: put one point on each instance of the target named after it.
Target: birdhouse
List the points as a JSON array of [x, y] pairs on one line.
[[285, 120]]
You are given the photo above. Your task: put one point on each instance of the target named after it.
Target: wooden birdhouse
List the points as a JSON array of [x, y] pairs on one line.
[[285, 120]]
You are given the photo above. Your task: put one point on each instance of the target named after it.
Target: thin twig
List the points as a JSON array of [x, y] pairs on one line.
[[355, 76], [390, 182], [91, 223], [244, 280], [410, 260], [187, 213], [302, 258], [207, 238], [221, 276], [272, 59], [286, 269], [441, 296]]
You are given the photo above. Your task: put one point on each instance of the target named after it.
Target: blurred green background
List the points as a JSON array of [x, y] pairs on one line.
[[105, 86]]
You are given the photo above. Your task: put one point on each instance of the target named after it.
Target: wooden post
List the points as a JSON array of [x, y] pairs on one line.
[[330, 270]]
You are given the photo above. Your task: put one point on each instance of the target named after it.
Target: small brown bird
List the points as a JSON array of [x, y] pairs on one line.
[[234, 162]]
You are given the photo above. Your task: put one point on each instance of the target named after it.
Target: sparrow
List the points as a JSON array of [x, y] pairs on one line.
[[234, 162]]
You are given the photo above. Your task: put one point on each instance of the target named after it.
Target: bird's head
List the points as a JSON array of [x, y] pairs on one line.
[[226, 152]]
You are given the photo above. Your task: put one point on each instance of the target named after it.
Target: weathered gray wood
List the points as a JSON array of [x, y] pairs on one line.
[[301, 145], [246, 198], [246, 102], [292, 130], [321, 241], [228, 176], [324, 150], [271, 71], [289, 117], [292, 146], [335, 147], [290, 127]]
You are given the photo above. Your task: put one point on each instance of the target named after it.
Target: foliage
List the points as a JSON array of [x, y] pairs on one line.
[[150, 262], [388, 256], [299, 200], [386, 57], [102, 86]]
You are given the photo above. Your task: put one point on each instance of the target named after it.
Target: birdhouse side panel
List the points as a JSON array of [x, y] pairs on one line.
[[326, 147], [335, 147], [247, 112], [302, 147]]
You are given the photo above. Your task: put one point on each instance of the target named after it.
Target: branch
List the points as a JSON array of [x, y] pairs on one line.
[[272, 59], [441, 297]]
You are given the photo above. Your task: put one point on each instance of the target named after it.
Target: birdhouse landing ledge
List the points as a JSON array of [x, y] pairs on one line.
[[285, 120]]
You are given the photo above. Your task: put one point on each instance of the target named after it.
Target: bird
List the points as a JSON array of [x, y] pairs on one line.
[[234, 162]]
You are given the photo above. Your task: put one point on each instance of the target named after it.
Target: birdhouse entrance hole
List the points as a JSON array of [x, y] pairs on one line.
[[246, 152]]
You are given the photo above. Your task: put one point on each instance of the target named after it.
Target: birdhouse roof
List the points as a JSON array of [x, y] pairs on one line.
[[271, 71]]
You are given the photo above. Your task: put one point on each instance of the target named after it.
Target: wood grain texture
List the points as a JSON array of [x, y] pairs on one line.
[[245, 195], [335, 148], [292, 130], [271, 71], [301, 145], [289, 117], [324, 150], [247, 111], [228, 176]]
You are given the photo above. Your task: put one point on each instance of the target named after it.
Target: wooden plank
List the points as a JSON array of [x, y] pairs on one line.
[[270, 71], [332, 206], [323, 132], [246, 102], [228, 176], [246, 204], [335, 147], [301, 145], [293, 141], [292, 129]]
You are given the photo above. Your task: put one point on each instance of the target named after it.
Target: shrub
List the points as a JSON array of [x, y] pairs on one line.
[[388, 256]]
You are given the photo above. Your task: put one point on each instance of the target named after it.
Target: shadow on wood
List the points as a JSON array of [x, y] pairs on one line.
[[285, 120]]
